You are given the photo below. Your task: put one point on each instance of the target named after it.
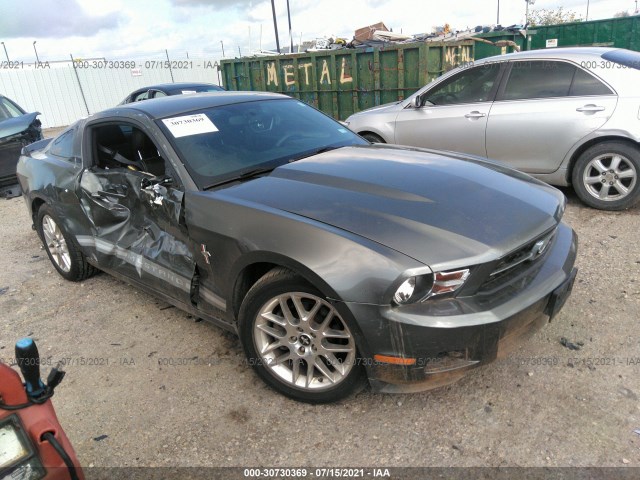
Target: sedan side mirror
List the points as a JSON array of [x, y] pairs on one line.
[[417, 101]]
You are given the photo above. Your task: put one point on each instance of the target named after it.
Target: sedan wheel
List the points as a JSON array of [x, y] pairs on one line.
[[609, 177], [297, 341], [606, 176], [372, 137]]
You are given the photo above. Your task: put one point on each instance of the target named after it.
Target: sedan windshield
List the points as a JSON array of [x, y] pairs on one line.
[[233, 142]]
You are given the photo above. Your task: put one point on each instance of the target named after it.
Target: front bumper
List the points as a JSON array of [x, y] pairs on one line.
[[450, 337]]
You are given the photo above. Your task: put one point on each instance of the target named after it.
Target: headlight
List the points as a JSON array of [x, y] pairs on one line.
[[17, 457], [422, 287], [405, 291], [413, 289]]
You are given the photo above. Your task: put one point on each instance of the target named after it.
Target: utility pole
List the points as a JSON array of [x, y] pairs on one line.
[[290, 35], [275, 24], [526, 24], [498, 16], [222, 43], [587, 17]]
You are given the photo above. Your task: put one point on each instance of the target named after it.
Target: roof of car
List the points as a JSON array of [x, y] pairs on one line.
[[172, 86], [571, 53], [180, 104]]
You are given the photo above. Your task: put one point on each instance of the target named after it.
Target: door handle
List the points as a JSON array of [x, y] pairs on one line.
[[590, 109], [475, 114]]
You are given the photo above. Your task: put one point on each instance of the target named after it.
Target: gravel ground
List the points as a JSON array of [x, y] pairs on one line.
[[149, 385]]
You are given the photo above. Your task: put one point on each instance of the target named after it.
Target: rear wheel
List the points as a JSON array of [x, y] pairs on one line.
[[297, 341], [63, 252], [606, 176]]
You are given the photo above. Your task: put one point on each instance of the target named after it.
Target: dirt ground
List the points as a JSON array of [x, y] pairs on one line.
[[148, 385]]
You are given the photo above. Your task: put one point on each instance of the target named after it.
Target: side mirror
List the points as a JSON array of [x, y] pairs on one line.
[[417, 101]]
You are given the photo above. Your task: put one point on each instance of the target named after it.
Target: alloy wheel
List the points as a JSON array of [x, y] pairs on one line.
[[303, 341], [56, 244], [609, 177]]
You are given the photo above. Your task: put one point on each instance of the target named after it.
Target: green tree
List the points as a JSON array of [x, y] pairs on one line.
[[623, 13], [552, 17]]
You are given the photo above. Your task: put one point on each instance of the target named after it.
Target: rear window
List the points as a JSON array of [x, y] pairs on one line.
[[585, 84], [62, 146], [196, 89], [624, 57]]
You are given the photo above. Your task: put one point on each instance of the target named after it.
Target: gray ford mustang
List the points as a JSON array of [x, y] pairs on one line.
[[337, 262]]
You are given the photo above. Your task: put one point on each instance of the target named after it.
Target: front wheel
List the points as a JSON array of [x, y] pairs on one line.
[[297, 341], [606, 176], [372, 137]]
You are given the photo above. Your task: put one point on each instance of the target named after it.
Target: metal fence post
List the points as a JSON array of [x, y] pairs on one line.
[[169, 63], [75, 70]]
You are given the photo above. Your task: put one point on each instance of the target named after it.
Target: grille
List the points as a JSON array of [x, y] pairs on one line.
[[517, 266]]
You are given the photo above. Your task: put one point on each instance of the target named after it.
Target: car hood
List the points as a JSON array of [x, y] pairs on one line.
[[387, 107], [15, 125], [441, 210]]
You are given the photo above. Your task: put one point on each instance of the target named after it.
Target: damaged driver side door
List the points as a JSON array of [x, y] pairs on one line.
[[134, 203]]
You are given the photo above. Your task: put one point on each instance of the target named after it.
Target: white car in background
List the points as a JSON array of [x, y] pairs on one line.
[[566, 116]]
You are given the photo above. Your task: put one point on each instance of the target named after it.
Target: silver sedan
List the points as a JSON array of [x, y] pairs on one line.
[[566, 116]]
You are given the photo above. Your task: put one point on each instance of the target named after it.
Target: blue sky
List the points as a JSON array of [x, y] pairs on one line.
[[145, 28]]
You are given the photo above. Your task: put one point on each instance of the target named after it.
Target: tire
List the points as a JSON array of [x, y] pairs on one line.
[[606, 176], [63, 252], [372, 137], [285, 327]]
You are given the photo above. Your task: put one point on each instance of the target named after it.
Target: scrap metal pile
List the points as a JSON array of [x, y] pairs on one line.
[[378, 35]]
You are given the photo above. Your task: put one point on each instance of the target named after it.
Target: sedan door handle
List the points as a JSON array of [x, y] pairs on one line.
[[590, 108], [475, 114]]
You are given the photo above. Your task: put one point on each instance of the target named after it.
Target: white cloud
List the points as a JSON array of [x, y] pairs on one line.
[[124, 29]]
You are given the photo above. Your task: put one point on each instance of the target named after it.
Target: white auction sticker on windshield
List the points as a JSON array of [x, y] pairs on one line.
[[189, 125]]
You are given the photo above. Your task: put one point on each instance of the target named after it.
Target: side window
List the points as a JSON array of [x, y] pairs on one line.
[[62, 146], [158, 94], [141, 96], [538, 79], [585, 84], [469, 86], [122, 145]]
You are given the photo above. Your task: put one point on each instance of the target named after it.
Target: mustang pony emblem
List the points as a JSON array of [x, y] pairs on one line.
[[205, 254]]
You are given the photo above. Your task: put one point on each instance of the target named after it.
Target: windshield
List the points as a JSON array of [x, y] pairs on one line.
[[222, 143]]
